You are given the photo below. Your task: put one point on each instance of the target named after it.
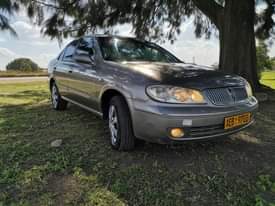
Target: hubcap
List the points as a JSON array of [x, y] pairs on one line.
[[113, 124], [54, 96]]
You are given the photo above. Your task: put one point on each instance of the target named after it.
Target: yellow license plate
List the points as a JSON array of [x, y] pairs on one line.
[[238, 120]]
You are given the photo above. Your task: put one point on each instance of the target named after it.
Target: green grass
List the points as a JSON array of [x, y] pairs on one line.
[[86, 171], [22, 74], [268, 78]]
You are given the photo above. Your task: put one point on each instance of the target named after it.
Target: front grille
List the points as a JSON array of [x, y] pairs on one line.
[[205, 131], [226, 96], [197, 132]]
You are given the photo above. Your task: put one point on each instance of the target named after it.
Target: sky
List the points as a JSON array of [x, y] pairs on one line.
[[30, 43]]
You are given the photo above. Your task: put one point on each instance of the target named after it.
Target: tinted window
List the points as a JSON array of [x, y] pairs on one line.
[[85, 46], [69, 51], [128, 49]]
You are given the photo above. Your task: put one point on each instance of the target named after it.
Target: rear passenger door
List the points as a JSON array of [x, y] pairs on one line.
[[64, 70]]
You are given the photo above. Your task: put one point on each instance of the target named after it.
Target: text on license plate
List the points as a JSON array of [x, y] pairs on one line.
[[238, 120]]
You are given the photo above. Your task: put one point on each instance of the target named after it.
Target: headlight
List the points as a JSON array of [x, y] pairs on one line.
[[170, 94], [248, 89]]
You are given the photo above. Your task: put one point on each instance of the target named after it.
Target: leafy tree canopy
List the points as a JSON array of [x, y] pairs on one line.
[[149, 18], [237, 23], [22, 64], [7, 8]]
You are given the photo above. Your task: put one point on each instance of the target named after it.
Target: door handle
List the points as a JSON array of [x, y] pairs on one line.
[[70, 71]]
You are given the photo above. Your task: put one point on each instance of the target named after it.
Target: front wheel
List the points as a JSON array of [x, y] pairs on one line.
[[120, 125], [57, 102]]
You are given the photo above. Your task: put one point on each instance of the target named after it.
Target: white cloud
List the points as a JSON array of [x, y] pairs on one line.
[[26, 30], [22, 25], [30, 43], [6, 55], [200, 51], [262, 6], [124, 30], [43, 59], [4, 52]]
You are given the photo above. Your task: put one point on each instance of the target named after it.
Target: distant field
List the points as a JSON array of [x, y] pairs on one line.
[[22, 74], [268, 78]]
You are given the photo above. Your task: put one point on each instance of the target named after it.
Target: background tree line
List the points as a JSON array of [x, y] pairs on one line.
[[22, 65], [264, 61]]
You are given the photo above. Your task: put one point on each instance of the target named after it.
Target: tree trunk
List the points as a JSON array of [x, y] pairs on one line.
[[237, 40]]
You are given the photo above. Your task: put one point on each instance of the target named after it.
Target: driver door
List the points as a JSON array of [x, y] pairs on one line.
[[86, 86]]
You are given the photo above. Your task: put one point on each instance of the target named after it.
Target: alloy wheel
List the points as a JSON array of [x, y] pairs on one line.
[[54, 96], [113, 124]]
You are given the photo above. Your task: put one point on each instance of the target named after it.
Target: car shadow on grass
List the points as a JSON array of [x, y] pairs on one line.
[[85, 170]]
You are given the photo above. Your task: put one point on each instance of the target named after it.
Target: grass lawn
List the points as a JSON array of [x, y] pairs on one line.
[[239, 170], [22, 74], [268, 78]]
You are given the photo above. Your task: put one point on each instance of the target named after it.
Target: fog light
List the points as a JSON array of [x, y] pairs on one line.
[[176, 132]]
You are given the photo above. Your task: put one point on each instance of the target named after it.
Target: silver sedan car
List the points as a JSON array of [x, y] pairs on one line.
[[145, 92]]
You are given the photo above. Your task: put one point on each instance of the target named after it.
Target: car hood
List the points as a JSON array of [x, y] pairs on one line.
[[184, 75]]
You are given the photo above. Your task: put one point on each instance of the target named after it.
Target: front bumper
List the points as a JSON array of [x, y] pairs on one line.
[[153, 122]]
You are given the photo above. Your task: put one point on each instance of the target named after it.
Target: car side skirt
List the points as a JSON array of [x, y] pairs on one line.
[[83, 106]]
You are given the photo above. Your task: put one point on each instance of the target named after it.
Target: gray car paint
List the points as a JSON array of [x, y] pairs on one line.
[[84, 84]]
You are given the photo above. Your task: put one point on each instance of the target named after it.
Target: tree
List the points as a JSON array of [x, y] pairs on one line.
[[234, 20], [22, 64], [7, 7], [264, 62], [273, 63]]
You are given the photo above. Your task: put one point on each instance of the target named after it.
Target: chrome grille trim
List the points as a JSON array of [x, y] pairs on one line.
[[226, 96]]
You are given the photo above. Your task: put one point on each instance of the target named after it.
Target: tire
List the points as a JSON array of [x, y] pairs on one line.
[[57, 102], [120, 125]]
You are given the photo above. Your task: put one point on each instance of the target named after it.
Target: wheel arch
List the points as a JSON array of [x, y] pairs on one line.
[[106, 97], [51, 82]]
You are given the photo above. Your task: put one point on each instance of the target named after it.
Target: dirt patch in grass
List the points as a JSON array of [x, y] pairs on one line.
[[238, 170]]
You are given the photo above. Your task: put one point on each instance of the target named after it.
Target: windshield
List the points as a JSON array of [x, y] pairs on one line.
[[129, 49]]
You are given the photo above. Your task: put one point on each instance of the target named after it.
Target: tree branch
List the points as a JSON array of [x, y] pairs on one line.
[[47, 4], [211, 9], [53, 5]]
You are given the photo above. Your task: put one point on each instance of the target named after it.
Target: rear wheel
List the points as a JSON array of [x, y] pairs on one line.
[[57, 102], [120, 125]]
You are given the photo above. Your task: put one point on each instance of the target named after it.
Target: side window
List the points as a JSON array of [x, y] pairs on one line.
[[85, 47], [69, 51]]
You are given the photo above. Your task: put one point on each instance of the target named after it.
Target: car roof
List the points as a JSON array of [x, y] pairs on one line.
[[105, 36], [111, 36]]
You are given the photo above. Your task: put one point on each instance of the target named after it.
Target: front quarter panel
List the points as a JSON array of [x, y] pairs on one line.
[[116, 77]]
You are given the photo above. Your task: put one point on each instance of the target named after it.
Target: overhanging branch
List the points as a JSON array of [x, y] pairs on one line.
[[48, 5], [54, 6], [211, 9]]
